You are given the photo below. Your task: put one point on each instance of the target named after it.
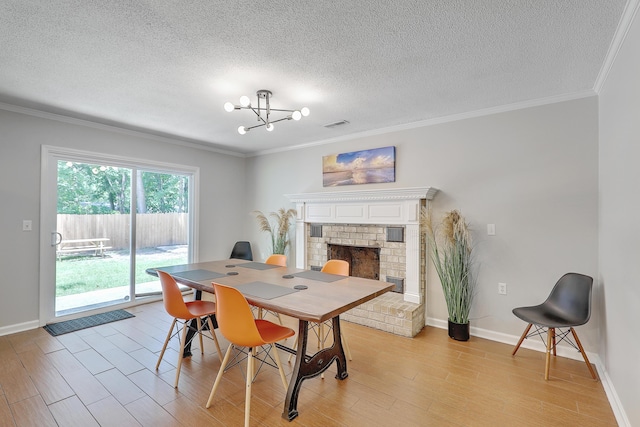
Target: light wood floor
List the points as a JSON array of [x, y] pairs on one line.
[[105, 376]]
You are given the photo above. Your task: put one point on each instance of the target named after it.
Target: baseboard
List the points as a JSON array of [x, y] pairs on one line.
[[568, 352], [19, 327]]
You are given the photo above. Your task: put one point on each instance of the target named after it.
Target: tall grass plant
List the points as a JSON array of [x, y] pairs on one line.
[[450, 250]]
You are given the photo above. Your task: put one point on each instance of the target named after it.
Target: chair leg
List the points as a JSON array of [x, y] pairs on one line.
[[295, 347], [215, 337], [199, 323], [183, 339], [554, 342], [164, 347], [550, 334], [524, 335], [276, 356], [584, 355], [219, 376], [247, 396]]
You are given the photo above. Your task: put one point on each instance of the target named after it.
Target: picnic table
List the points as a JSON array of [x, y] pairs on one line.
[[97, 245]]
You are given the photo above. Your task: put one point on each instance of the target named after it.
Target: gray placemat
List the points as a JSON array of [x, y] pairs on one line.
[[171, 268], [197, 275], [264, 290], [257, 265], [319, 276]]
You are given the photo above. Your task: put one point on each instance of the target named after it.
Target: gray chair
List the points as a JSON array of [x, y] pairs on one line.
[[568, 305], [242, 250]]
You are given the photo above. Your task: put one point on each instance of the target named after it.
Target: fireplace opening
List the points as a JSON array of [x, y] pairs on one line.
[[363, 261]]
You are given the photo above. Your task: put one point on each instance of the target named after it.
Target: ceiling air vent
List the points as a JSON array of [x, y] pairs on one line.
[[335, 124]]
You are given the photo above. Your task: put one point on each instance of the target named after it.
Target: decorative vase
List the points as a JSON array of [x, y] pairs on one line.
[[459, 331]]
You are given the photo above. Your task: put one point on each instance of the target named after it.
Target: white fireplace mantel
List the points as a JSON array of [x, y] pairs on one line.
[[393, 206], [414, 193]]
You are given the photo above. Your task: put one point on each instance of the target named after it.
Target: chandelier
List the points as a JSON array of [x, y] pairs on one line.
[[263, 111]]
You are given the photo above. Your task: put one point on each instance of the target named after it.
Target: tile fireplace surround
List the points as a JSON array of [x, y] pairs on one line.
[[360, 219]]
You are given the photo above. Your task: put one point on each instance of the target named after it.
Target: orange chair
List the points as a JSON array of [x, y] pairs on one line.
[[238, 326], [277, 259], [184, 312], [336, 266], [333, 266]]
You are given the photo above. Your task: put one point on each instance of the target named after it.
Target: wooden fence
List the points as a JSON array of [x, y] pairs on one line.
[[165, 229]]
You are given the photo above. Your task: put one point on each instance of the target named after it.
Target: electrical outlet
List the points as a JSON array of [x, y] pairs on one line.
[[502, 288], [27, 225]]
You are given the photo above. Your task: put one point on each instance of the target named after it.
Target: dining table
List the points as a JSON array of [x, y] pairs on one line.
[[306, 295]]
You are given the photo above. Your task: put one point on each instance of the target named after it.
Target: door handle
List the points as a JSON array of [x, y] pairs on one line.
[[56, 238]]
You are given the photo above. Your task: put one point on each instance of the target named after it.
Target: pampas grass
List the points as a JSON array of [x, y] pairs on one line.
[[279, 229], [450, 249]]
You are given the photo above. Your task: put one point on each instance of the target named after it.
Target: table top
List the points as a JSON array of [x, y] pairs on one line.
[[325, 297]]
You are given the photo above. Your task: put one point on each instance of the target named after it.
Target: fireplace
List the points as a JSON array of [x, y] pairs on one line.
[[382, 224], [363, 261]]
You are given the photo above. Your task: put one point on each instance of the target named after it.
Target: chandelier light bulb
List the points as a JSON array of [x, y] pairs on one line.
[[245, 101], [305, 111], [270, 127], [229, 107], [242, 130], [296, 115]]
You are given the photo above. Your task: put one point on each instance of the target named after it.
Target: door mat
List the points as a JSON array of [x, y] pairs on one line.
[[67, 326]]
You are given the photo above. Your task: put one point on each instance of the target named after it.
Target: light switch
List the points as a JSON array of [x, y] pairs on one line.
[[491, 229]]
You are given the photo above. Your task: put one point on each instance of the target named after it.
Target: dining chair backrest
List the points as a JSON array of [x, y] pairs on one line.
[[277, 259], [235, 318], [570, 298], [336, 266], [172, 297], [242, 250]]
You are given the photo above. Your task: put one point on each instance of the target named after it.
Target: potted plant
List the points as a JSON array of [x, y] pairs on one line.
[[279, 229], [450, 251]]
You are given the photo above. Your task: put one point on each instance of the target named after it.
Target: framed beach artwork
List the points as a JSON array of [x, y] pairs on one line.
[[359, 167]]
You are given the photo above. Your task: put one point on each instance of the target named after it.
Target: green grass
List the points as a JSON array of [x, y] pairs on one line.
[[80, 274]]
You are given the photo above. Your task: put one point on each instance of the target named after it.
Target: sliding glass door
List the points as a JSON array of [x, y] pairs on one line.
[[105, 221], [162, 225], [93, 224]]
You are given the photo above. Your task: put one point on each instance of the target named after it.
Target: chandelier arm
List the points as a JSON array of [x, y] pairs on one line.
[[253, 127], [257, 113], [281, 110], [279, 120]]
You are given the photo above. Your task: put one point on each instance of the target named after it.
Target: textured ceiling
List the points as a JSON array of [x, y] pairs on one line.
[[167, 67]]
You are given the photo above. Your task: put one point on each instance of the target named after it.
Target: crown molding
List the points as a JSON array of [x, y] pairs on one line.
[[112, 128], [630, 11], [437, 120]]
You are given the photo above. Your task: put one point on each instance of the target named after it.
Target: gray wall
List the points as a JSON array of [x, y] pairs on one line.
[[619, 226], [221, 203], [531, 172]]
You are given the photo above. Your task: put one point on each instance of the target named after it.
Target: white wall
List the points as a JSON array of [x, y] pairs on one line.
[[619, 224], [21, 136], [532, 172]]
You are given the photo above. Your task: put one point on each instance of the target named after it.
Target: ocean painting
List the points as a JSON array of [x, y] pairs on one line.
[[359, 167]]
